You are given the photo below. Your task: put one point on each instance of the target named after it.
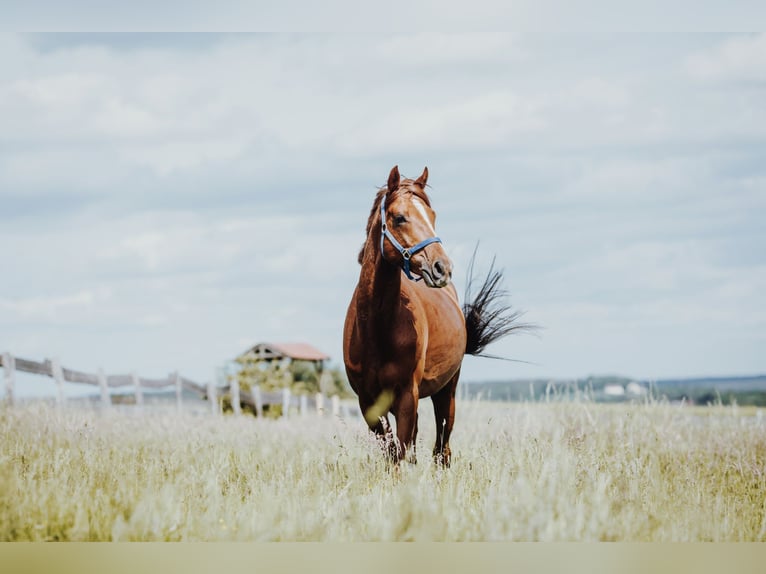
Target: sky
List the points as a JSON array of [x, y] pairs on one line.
[[168, 200]]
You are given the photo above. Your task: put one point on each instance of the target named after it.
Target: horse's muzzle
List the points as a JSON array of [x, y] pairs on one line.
[[438, 274]]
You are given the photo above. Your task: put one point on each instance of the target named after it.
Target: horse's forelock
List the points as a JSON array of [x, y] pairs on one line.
[[415, 189]]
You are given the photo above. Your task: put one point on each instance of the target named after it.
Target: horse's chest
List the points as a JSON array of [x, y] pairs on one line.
[[420, 341]]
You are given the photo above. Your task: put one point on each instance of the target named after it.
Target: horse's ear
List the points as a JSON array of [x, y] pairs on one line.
[[421, 181], [393, 179]]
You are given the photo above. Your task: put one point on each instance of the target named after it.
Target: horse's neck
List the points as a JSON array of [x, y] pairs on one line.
[[378, 294]]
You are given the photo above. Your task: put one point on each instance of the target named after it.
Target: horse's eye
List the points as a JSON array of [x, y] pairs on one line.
[[399, 219]]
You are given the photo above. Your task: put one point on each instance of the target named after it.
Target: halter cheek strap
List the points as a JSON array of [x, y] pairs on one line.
[[406, 253]]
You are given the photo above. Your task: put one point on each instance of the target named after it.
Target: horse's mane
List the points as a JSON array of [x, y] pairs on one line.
[[405, 186]]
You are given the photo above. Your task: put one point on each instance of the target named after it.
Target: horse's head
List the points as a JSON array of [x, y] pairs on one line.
[[408, 235]]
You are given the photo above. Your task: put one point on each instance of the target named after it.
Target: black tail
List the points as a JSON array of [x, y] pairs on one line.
[[487, 317]]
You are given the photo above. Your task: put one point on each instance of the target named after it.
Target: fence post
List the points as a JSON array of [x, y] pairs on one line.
[[106, 400], [179, 390], [335, 405], [138, 391], [58, 376], [320, 403], [285, 402], [212, 397], [9, 364], [236, 407], [255, 390]]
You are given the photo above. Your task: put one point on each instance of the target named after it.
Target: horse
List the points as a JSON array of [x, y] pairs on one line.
[[405, 332]]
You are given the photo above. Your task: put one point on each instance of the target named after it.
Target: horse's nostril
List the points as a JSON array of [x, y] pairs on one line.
[[439, 269]]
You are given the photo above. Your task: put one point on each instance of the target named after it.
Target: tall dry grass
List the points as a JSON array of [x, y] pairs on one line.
[[537, 471]]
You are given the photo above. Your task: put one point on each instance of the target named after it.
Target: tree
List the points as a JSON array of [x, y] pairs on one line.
[[301, 377], [269, 375]]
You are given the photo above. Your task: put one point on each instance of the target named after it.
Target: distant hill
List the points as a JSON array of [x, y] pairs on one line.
[[744, 390], [752, 382]]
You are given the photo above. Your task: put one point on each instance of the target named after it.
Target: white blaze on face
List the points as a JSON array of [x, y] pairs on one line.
[[422, 210]]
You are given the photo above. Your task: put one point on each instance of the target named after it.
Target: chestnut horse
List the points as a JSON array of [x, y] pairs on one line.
[[404, 339]]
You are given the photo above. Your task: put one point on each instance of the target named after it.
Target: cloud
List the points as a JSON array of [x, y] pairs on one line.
[[425, 50], [209, 191], [480, 122], [183, 155], [597, 91], [35, 308], [741, 59]]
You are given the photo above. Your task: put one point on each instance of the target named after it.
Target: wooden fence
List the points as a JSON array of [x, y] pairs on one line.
[[255, 398]]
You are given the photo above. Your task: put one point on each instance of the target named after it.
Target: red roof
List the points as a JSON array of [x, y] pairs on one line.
[[298, 351]]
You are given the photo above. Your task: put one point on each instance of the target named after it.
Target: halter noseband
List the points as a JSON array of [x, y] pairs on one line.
[[406, 253]]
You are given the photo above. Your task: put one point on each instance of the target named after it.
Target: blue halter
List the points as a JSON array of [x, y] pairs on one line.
[[406, 253]]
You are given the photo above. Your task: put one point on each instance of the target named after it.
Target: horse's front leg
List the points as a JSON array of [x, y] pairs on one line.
[[444, 413], [406, 413], [413, 448], [379, 425]]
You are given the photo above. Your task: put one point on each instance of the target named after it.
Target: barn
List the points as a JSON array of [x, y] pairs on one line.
[[269, 374], [275, 365], [287, 351]]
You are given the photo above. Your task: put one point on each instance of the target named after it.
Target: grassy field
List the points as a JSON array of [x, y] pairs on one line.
[[540, 471]]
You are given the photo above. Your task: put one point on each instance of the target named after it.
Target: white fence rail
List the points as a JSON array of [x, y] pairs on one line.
[[256, 399]]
